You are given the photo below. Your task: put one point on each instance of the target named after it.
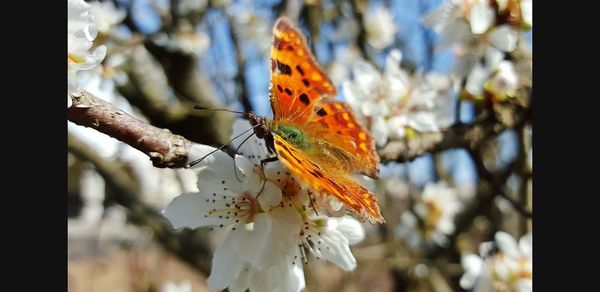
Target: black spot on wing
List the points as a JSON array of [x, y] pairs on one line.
[[288, 91], [304, 99], [279, 88], [306, 83], [322, 112], [283, 68], [299, 69]]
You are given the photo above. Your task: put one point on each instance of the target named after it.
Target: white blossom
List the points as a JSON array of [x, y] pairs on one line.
[[436, 209], [395, 100], [81, 32], [474, 25], [380, 28], [185, 39], [482, 16], [509, 269], [272, 224], [527, 12], [184, 286], [496, 77], [344, 60], [106, 15]]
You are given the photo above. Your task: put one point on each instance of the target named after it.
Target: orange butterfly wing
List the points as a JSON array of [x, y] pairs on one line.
[[334, 121], [323, 177], [302, 97], [297, 82]]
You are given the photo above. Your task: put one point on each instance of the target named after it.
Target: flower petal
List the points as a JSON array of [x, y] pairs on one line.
[[242, 283], [454, 32], [270, 196], [351, 229], [504, 38], [225, 264], [282, 239], [188, 210], [507, 244], [285, 276], [250, 243], [527, 11], [525, 245], [482, 17], [334, 248], [472, 265], [380, 131], [216, 172], [476, 79]]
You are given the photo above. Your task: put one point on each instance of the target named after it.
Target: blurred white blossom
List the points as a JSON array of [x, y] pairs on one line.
[[395, 100], [108, 75], [497, 77], [475, 25], [380, 28], [527, 12], [272, 225], [436, 209], [189, 6], [344, 60], [81, 32], [509, 269], [184, 286], [248, 26], [106, 15], [185, 39]]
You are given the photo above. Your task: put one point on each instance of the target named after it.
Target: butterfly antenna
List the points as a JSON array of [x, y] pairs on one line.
[[200, 107], [220, 147], [236, 151]]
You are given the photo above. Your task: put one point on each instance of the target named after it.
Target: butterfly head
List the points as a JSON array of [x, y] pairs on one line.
[[262, 129]]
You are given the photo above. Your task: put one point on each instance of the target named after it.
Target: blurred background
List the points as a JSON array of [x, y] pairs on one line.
[[449, 106]]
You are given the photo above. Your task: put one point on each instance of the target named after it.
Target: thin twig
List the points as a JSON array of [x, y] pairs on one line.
[[518, 207], [359, 7], [241, 65]]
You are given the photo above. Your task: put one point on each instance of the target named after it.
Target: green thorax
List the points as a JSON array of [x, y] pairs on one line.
[[291, 134]]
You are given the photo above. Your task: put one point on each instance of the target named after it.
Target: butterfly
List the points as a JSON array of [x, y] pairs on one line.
[[314, 135]]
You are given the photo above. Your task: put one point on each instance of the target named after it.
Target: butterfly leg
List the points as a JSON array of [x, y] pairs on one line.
[[237, 150], [312, 202], [264, 175]]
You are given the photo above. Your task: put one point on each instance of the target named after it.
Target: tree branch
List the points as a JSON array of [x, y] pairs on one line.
[[164, 148], [458, 136]]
